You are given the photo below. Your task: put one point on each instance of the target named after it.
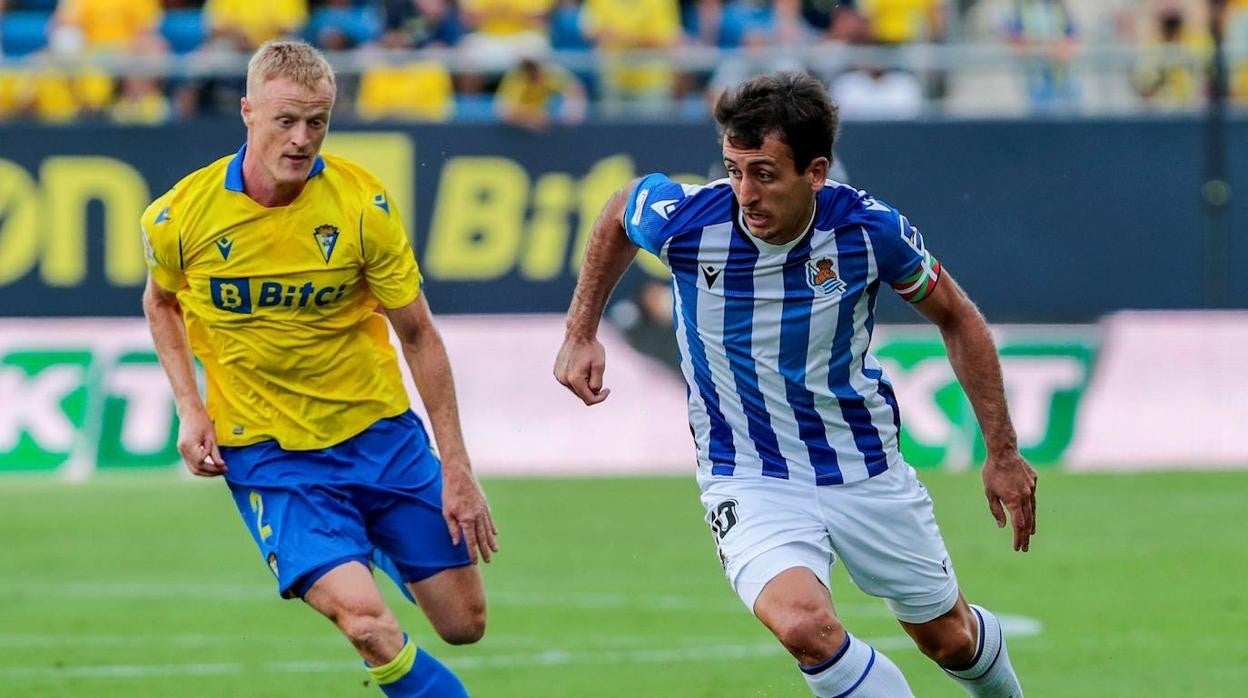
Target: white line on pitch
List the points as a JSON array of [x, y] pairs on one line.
[[240, 593], [1015, 626]]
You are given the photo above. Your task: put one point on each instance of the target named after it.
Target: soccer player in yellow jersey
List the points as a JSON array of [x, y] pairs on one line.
[[278, 268]]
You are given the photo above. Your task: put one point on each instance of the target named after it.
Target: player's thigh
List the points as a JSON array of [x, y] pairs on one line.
[[406, 523], [452, 599], [301, 530], [348, 589], [762, 527], [884, 530]]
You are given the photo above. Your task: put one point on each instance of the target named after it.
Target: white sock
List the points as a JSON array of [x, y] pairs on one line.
[[990, 674], [857, 669]]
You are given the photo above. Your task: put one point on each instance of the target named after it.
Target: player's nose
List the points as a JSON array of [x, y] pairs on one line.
[[747, 192], [300, 136]]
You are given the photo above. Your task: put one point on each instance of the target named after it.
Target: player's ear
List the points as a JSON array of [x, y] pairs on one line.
[[244, 108], [818, 172]]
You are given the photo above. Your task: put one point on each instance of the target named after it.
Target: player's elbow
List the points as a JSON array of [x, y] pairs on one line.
[[960, 316], [155, 301]]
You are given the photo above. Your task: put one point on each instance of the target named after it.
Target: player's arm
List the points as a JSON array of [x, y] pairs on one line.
[[197, 439], [582, 359], [1009, 482], [464, 505]]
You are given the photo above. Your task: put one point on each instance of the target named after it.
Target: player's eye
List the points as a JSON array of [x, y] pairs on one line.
[[285, 121], [765, 176], [734, 173]]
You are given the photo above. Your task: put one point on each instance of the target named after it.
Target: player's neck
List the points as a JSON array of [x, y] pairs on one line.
[[263, 189]]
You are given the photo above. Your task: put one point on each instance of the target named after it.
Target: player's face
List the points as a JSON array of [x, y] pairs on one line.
[[776, 200], [286, 124]]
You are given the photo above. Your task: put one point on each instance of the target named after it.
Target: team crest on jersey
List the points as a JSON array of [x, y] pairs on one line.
[[326, 237], [822, 277]]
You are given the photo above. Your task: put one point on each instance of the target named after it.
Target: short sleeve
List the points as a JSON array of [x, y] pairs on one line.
[[162, 244], [901, 256], [658, 209], [389, 264]]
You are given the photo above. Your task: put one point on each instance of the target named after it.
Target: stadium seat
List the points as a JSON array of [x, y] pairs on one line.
[[183, 29], [42, 5], [565, 30], [360, 24], [474, 108], [23, 32]]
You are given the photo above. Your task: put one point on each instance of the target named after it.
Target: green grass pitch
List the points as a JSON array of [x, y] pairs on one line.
[[149, 586]]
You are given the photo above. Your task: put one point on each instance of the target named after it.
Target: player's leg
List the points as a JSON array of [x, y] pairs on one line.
[[404, 514], [797, 607], [348, 596], [884, 530], [454, 602], [314, 540], [967, 642], [776, 555]]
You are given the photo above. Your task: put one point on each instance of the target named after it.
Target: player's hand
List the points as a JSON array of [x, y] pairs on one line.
[[579, 367], [197, 442], [466, 512], [1010, 485]]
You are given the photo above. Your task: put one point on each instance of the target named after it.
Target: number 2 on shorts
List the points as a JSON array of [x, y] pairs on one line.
[[257, 506]]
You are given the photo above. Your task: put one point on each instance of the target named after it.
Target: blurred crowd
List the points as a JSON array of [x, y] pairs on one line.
[[539, 63]]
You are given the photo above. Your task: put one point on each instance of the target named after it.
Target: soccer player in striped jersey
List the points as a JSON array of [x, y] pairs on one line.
[[278, 267], [775, 275]]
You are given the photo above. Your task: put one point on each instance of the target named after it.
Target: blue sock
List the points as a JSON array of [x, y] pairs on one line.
[[414, 673]]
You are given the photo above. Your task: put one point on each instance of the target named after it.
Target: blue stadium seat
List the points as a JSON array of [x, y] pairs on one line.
[[565, 30], [474, 108], [45, 5], [183, 29], [23, 32], [360, 24]]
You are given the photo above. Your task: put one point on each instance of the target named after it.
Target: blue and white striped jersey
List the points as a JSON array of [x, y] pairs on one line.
[[773, 338]]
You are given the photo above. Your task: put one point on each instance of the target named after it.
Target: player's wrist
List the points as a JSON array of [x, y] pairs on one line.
[[190, 407], [580, 333], [1003, 458], [456, 466]]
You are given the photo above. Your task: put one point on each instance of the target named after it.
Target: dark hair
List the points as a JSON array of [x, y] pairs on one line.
[[793, 106]]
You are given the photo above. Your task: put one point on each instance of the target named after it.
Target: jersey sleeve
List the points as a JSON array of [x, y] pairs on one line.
[[162, 244], [900, 254], [389, 263], [658, 209]]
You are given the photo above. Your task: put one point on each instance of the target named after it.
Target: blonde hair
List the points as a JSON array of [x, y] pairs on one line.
[[294, 60]]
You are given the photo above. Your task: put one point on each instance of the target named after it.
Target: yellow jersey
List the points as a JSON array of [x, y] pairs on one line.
[[113, 24], [281, 303], [259, 21], [419, 90]]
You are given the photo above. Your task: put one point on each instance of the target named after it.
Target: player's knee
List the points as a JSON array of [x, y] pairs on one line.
[[369, 629], [465, 627], [811, 636]]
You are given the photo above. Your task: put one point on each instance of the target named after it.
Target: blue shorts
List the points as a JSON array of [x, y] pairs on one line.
[[375, 496]]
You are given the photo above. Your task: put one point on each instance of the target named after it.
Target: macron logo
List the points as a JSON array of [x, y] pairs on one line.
[[664, 208], [637, 207]]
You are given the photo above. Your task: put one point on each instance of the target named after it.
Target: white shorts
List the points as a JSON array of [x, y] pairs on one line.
[[882, 528]]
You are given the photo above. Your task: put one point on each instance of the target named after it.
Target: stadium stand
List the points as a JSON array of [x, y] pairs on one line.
[[981, 57]]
